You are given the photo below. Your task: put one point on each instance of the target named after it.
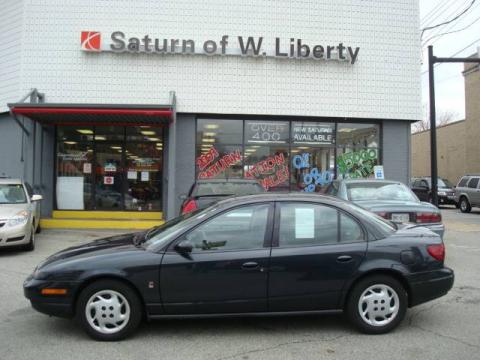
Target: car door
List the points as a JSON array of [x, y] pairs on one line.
[[474, 191], [34, 205], [226, 271], [421, 189], [316, 249]]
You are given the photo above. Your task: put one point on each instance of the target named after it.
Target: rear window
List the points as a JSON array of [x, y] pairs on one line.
[[379, 191], [463, 182], [226, 188], [473, 183]]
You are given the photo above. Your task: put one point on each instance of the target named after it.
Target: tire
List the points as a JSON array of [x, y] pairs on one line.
[[387, 319], [31, 244], [127, 307], [39, 229], [464, 205]]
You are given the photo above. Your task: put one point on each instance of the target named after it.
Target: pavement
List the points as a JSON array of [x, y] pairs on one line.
[[446, 328]]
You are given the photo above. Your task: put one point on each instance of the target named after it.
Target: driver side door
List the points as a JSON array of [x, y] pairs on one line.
[[226, 270]]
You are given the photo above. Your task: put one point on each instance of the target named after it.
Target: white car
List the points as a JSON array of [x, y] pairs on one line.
[[19, 214]]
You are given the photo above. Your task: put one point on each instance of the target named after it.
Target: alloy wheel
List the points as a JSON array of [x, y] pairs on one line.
[[107, 311], [378, 305]]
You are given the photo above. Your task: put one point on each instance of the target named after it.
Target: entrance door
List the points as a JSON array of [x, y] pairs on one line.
[[109, 176]]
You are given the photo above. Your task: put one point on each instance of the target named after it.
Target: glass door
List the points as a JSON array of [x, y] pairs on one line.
[[109, 177]]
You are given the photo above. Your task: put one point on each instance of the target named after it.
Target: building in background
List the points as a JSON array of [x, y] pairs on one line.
[[458, 143], [134, 101]]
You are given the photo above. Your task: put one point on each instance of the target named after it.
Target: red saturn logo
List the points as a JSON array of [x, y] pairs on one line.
[[91, 40]]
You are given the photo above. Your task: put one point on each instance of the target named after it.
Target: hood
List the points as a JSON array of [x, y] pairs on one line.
[[395, 205], [9, 210], [100, 247]]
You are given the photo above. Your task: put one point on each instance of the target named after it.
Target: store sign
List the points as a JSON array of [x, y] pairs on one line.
[[250, 46], [313, 133], [266, 132]]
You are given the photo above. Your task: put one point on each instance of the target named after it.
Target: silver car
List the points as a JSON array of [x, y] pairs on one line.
[[19, 214], [391, 200], [467, 192]]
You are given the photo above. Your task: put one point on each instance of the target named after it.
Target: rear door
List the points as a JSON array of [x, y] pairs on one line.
[[226, 272], [316, 249], [474, 191]]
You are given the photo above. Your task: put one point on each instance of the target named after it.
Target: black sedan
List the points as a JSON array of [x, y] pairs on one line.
[[254, 255]]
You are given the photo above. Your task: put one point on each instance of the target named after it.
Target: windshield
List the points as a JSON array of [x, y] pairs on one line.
[[226, 188], [12, 194], [167, 231], [379, 191]]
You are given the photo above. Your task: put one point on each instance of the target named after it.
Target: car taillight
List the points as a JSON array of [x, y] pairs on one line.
[[382, 214], [190, 206], [437, 251], [423, 218]]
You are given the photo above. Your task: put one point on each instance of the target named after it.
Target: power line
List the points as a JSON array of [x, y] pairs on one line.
[[429, 17], [452, 32], [449, 21]]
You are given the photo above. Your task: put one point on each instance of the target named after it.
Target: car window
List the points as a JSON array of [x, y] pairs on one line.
[[463, 181], [12, 194], [444, 183], [29, 189], [416, 183], [379, 191], [473, 183], [307, 224], [350, 230], [238, 229]]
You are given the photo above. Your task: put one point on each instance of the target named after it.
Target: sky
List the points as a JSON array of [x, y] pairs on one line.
[[449, 84]]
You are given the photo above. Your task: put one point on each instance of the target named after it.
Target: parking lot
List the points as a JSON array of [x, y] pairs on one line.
[[443, 329]]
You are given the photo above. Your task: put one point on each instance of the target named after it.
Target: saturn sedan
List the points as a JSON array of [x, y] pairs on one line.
[[274, 254]]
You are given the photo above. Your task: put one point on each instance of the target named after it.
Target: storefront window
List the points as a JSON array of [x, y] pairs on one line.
[[358, 135], [356, 163], [313, 168], [219, 152], [268, 165]]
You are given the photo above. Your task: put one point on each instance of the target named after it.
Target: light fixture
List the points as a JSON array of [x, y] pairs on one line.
[[209, 134], [153, 139], [303, 147], [70, 142], [144, 132], [208, 140], [98, 137], [211, 126], [345, 130], [115, 147], [85, 131]]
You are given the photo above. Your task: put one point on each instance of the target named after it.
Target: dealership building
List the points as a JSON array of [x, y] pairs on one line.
[[111, 110]]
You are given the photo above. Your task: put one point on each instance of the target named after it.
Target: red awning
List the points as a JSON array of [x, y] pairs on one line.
[[99, 115]]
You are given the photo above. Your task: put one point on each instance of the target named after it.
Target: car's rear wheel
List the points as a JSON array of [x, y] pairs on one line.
[[465, 206], [377, 304], [31, 243], [109, 310]]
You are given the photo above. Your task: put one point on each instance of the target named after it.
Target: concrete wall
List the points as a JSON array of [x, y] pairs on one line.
[[11, 34], [29, 157], [451, 152], [383, 84], [396, 150]]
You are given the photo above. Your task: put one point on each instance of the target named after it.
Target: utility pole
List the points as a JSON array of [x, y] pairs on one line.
[[432, 60]]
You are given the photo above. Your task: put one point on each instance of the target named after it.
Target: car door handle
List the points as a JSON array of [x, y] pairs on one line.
[[251, 265], [344, 258]]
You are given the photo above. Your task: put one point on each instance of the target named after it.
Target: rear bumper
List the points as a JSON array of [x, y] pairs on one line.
[[430, 285], [61, 306]]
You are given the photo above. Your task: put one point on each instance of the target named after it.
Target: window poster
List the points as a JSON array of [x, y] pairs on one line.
[[304, 223], [267, 132], [313, 133]]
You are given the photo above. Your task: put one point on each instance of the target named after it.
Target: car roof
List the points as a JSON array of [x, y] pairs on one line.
[[10, 181], [240, 181], [281, 196]]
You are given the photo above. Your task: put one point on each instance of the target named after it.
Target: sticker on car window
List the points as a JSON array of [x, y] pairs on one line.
[[304, 223]]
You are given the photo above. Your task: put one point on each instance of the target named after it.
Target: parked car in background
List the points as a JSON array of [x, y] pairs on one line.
[[266, 254], [422, 187], [19, 214], [391, 200], [467, 192], [206, 192]]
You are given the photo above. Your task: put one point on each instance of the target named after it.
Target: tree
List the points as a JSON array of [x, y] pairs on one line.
[[443, 118]]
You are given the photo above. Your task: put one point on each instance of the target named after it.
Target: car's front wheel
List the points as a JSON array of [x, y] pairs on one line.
[[465, 206], [109, 310], [377, 304]]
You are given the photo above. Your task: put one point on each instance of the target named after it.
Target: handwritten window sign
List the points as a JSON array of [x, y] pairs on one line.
[[313, 133], [266, 132]]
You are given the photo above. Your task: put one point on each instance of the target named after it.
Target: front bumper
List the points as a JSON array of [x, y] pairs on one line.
[[446, 200], [430, 285], [53, 305], [14, 235]]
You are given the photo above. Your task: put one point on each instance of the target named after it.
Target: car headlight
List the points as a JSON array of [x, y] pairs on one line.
[[20, 218], [442, 193]]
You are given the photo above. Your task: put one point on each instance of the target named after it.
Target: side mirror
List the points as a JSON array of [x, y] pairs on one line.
[[182, 196], [37, 197], [184, 247]]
